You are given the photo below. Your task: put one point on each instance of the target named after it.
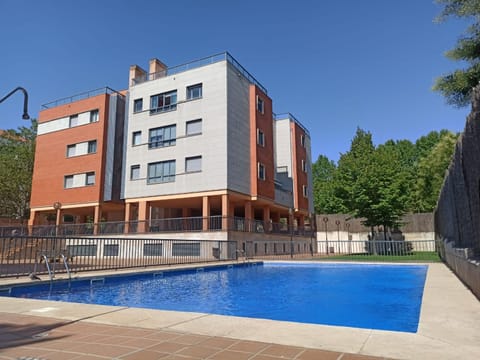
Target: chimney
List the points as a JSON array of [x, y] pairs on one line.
[[137, 75], [157, 69]]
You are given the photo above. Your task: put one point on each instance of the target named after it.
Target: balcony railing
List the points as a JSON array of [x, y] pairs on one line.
[[169, 225], [81, 96], [225, 56]]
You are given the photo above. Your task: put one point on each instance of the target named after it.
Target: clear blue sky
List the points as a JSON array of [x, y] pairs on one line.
[[335, 65]]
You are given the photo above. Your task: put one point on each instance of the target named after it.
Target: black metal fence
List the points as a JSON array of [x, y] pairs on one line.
[[169, 225], [23, 255]]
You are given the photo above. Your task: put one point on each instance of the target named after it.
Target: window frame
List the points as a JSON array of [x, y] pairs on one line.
[[134, 136], [88, 176], [302, 140], [135, 105], [192, 158], [195, 91], [135, 168], [190, 122], [90, 144], [94, 116], [260, 105], [166, 102], [304, 166], [73, 121], [66, 180], [261, 171], [163, 142], [162, 178], [305, 191], [260, 138]]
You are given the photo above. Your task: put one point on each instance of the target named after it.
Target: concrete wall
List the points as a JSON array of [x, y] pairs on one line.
[[458, 207]]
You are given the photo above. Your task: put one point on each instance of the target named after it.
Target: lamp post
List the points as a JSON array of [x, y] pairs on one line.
[[57, 205], [337, 222], [347, 225], [325, 221], [290, 215], [25, 115], [311, 217]]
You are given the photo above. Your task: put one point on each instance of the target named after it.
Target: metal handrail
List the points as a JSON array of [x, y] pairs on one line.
[[81, 96]]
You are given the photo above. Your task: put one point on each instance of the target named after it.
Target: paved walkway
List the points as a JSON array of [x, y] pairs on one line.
[[33, 337], [449, 328]]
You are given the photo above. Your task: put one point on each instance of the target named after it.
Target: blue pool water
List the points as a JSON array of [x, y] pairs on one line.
[[385, 297]]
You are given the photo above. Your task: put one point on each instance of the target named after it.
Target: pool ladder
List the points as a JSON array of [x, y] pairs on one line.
[[51, 273]]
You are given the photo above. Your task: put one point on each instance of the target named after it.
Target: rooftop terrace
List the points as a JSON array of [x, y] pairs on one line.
[[225, 56], [81, 96]]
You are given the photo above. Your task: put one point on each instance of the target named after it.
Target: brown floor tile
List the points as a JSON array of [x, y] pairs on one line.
[[163, 335], [190, 339], [282, 351], [313, 354], [231, 355], [144, 355], [140, 343], [359, 357], [218, 342], [249, 346], [198, 351], [103, 350], [88, 357], [167, 347], [59, 355]]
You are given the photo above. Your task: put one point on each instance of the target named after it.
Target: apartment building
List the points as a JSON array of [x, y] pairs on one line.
[[202, 142], [194, 148], [78, 160]]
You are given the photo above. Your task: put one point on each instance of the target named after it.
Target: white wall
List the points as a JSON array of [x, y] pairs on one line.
[[283, 144], [211, 144]]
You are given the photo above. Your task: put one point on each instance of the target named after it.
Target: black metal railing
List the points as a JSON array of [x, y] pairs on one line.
[[23, 255], [168, 225]]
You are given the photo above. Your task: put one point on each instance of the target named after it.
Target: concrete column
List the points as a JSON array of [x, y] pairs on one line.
[[126, 229], [205, 212], [96, 219], [143, 216], [31, 221], [266, 218], [225, 212], [185, 221], [248, 216]]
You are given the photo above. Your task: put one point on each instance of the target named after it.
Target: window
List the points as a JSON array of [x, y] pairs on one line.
[[261, 171], [83, 148], [92, 146], [73, 121], [153, 249], [302, 140], [163, 102], [68, 182], [305, 191], [90, 178], [194, 127], [260, 105], [137, 105], [186, 249], [162, 136], [93, 116], [136, 138], [194, 92], [135, 172], [110, 250], [71, 150], [161, 172], [260, 137], [193, 164], [82, 250], [304, 166]]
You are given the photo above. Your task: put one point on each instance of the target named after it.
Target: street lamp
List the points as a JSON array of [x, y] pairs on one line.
[[290, 215], [25, 115], [325, 221], [347, 225], [337, 222]]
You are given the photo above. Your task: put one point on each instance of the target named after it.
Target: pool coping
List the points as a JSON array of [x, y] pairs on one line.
[[449, 326]]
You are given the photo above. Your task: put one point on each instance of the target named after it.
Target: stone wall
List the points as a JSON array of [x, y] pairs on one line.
[[457, 215]]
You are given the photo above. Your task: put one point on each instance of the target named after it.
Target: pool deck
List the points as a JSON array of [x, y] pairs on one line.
[[449, 328]]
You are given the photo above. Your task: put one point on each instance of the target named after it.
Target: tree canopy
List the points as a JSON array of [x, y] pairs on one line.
[[457, 86], [17, 150], [381, 183]]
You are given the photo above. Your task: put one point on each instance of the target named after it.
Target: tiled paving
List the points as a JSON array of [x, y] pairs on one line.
[[33, 338]]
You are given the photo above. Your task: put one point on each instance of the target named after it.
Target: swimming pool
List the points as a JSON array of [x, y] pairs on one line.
[[384, 297]]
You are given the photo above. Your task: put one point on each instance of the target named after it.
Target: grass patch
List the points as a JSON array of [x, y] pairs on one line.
[[423, 256]]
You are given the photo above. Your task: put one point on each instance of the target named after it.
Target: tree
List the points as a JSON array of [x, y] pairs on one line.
[[17, 150], [431, 172], [370, 181], [457, 86], [324, 198]]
